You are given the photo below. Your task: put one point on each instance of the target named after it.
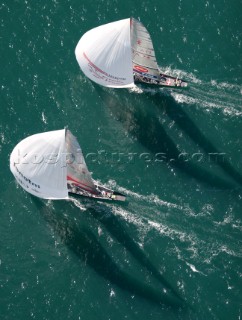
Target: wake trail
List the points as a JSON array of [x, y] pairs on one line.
[[210, 94], [151, 198], [78, 204]]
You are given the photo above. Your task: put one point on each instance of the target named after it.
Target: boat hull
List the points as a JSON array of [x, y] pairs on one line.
[[163, 81], [103, 193]]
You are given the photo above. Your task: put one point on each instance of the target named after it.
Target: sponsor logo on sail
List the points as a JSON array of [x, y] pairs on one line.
[[140, 69]]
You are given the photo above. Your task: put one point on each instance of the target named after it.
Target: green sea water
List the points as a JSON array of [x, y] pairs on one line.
[[173, 251]]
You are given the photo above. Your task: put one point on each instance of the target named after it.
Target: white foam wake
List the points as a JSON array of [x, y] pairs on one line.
[[77, 204], [210, 95], [151, 198]]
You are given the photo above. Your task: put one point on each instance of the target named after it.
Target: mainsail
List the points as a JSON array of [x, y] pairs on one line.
[[143, 54], [38, 164], [104, 54], [77, 172]]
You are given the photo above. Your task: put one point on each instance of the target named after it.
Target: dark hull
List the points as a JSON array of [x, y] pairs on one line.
[[102, 193], [163, 81]]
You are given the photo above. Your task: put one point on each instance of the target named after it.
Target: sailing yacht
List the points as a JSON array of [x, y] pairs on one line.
[[50, 165], [120, 54]]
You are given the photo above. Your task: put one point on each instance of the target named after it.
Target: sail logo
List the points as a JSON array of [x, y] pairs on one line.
[[140, 69], [99, 73], [25, 178]]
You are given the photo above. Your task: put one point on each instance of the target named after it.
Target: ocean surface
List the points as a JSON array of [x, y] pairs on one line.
[[174, 249]]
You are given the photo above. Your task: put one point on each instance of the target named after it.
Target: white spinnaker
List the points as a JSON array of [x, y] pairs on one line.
[[143, 54], [39, 165], [104, 54], [77, 171]]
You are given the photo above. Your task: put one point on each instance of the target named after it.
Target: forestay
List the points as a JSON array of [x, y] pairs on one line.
[[38, 164], [143, 55], [77, 171], [104, 54]]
